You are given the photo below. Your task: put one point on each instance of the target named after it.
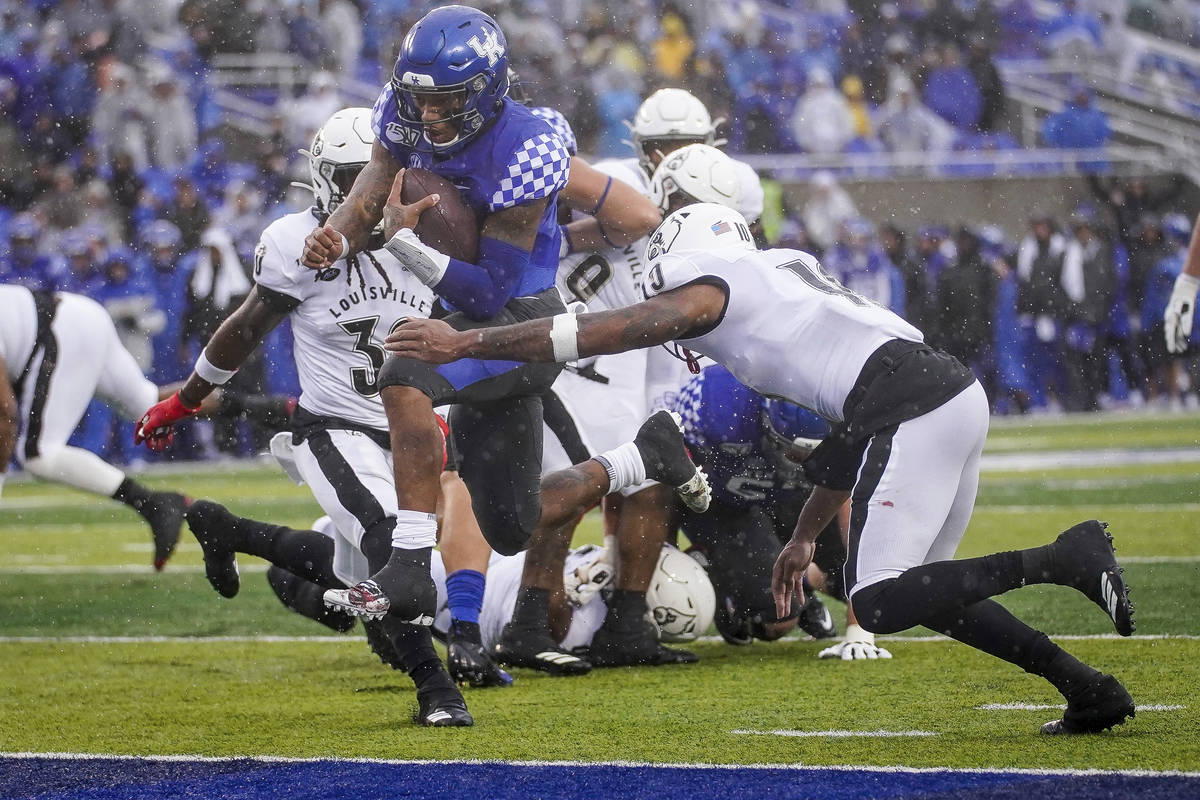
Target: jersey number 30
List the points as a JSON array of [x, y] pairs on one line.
[[365, 380]]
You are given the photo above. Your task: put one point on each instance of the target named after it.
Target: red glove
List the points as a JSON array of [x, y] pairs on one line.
[[155, 427]]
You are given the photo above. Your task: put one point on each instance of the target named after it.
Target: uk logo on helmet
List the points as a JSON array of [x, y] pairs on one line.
[[490, 48]]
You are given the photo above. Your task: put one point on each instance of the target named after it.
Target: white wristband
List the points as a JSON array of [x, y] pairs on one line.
[[564, 337], [1186, 287], [345, 246], [418, 258], [211, 372]]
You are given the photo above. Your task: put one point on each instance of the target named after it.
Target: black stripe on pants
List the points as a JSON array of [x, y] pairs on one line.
[[875, 461], [351, 493], [41, 392]]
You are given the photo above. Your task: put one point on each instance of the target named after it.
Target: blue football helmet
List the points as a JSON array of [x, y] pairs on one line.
[[453, 50], [791, 432]]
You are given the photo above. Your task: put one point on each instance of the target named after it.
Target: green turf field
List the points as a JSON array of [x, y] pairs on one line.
[[100, 655]]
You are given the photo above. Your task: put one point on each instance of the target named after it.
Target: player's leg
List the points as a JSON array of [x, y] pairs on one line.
[[73, 363]]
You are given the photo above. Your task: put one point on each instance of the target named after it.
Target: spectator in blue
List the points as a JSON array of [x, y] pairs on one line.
[[951, 90], [1163, 367], [1080, 124], [129, 297], [819, 54], [163, 252], [1018, 29], [617, 97], [860, 264], [1073, 29], [23, 265], [1012, 389], [66, 82], [894, 242], [1043, 305], [84, 275]]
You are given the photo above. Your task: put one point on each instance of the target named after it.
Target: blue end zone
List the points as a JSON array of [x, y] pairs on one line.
[[45, 777]]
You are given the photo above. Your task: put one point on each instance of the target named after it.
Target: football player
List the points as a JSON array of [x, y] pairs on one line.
[[338, 444], [752, 448], [446, 109], [910, 428], [57, 352], [599, 404], [1178, 319]]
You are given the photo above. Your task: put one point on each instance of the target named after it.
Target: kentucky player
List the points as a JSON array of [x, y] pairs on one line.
[[910, 428]]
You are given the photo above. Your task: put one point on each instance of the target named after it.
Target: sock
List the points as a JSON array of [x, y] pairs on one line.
[[464, 594], [305, 553], [532, 609], [414, 646], [624, 466], [414, 530], [403, 574], [626, 610], [1038, 563], [133, 494]]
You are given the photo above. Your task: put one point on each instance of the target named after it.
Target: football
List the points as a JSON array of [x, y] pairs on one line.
[[450, 226]]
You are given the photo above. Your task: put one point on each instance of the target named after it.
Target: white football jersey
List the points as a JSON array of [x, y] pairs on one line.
[[788, 330], [18, 328], [610, 278], [344, 314]]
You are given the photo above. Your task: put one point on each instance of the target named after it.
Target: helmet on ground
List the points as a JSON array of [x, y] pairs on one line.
[[340, 150], [697, 173], [791, 432], [701, 226], [670, 115], [680, 596], [457, 51]]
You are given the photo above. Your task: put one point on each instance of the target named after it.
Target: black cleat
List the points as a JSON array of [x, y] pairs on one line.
[[380, 644], [536, 649], [442, 708], [634, 648], [213, 526], [665, 456], [165, 512], [815, 619], [467, 660], [1098, 705], [1088, 563], [305, 598], [733, 627]]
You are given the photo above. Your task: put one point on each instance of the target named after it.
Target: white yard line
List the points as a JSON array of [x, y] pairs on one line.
[[267, 759], [836, 734], [1036, 707]]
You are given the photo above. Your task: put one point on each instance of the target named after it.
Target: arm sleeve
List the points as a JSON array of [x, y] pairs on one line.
[[480, 291]]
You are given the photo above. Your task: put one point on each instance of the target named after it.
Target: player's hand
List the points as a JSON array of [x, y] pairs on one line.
[[857, 645], [156, 426], [788, 576], [397, 215], [322, 247], [1181, 308], [428, 340]]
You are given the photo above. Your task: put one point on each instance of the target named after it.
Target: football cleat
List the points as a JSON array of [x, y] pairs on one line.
[[364, 600], [665, 456], [536, 649], [633, 648], [815, 619], [469, 663], [734, 628], [380, 644], [1097, 706], [165, 512], [442, 708], [213, 527], [304, 597], [1089, 564]]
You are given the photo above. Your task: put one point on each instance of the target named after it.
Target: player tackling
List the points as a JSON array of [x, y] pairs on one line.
[[910, 424]]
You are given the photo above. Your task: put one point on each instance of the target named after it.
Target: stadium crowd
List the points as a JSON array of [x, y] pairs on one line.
[[115, 182]]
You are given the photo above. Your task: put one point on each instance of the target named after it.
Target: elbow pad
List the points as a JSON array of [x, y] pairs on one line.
[[480, 291]]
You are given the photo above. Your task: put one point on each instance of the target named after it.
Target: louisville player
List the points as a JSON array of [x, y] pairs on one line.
[[910, 428]]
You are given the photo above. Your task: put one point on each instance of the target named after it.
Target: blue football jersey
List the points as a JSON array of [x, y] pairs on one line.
[[518, 159]]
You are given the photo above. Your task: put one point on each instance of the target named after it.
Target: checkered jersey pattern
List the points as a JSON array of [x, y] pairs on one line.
[[538, 169], [560, 125], [686, 403]]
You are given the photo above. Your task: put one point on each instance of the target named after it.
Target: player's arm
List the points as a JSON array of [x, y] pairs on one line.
[[819, 510], [479, 290], [8, 420], [674, 314], [356, 215], [1181, 308], [618, 214], [239, 335]]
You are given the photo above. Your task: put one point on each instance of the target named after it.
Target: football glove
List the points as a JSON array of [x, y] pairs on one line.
[[586, 580], [156, 426], [1181, 308], [856, 645]]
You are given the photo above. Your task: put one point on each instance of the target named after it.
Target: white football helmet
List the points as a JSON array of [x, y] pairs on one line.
[[340, 149], [670, 115], [700, 173], [701, 226], [680, 596]]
